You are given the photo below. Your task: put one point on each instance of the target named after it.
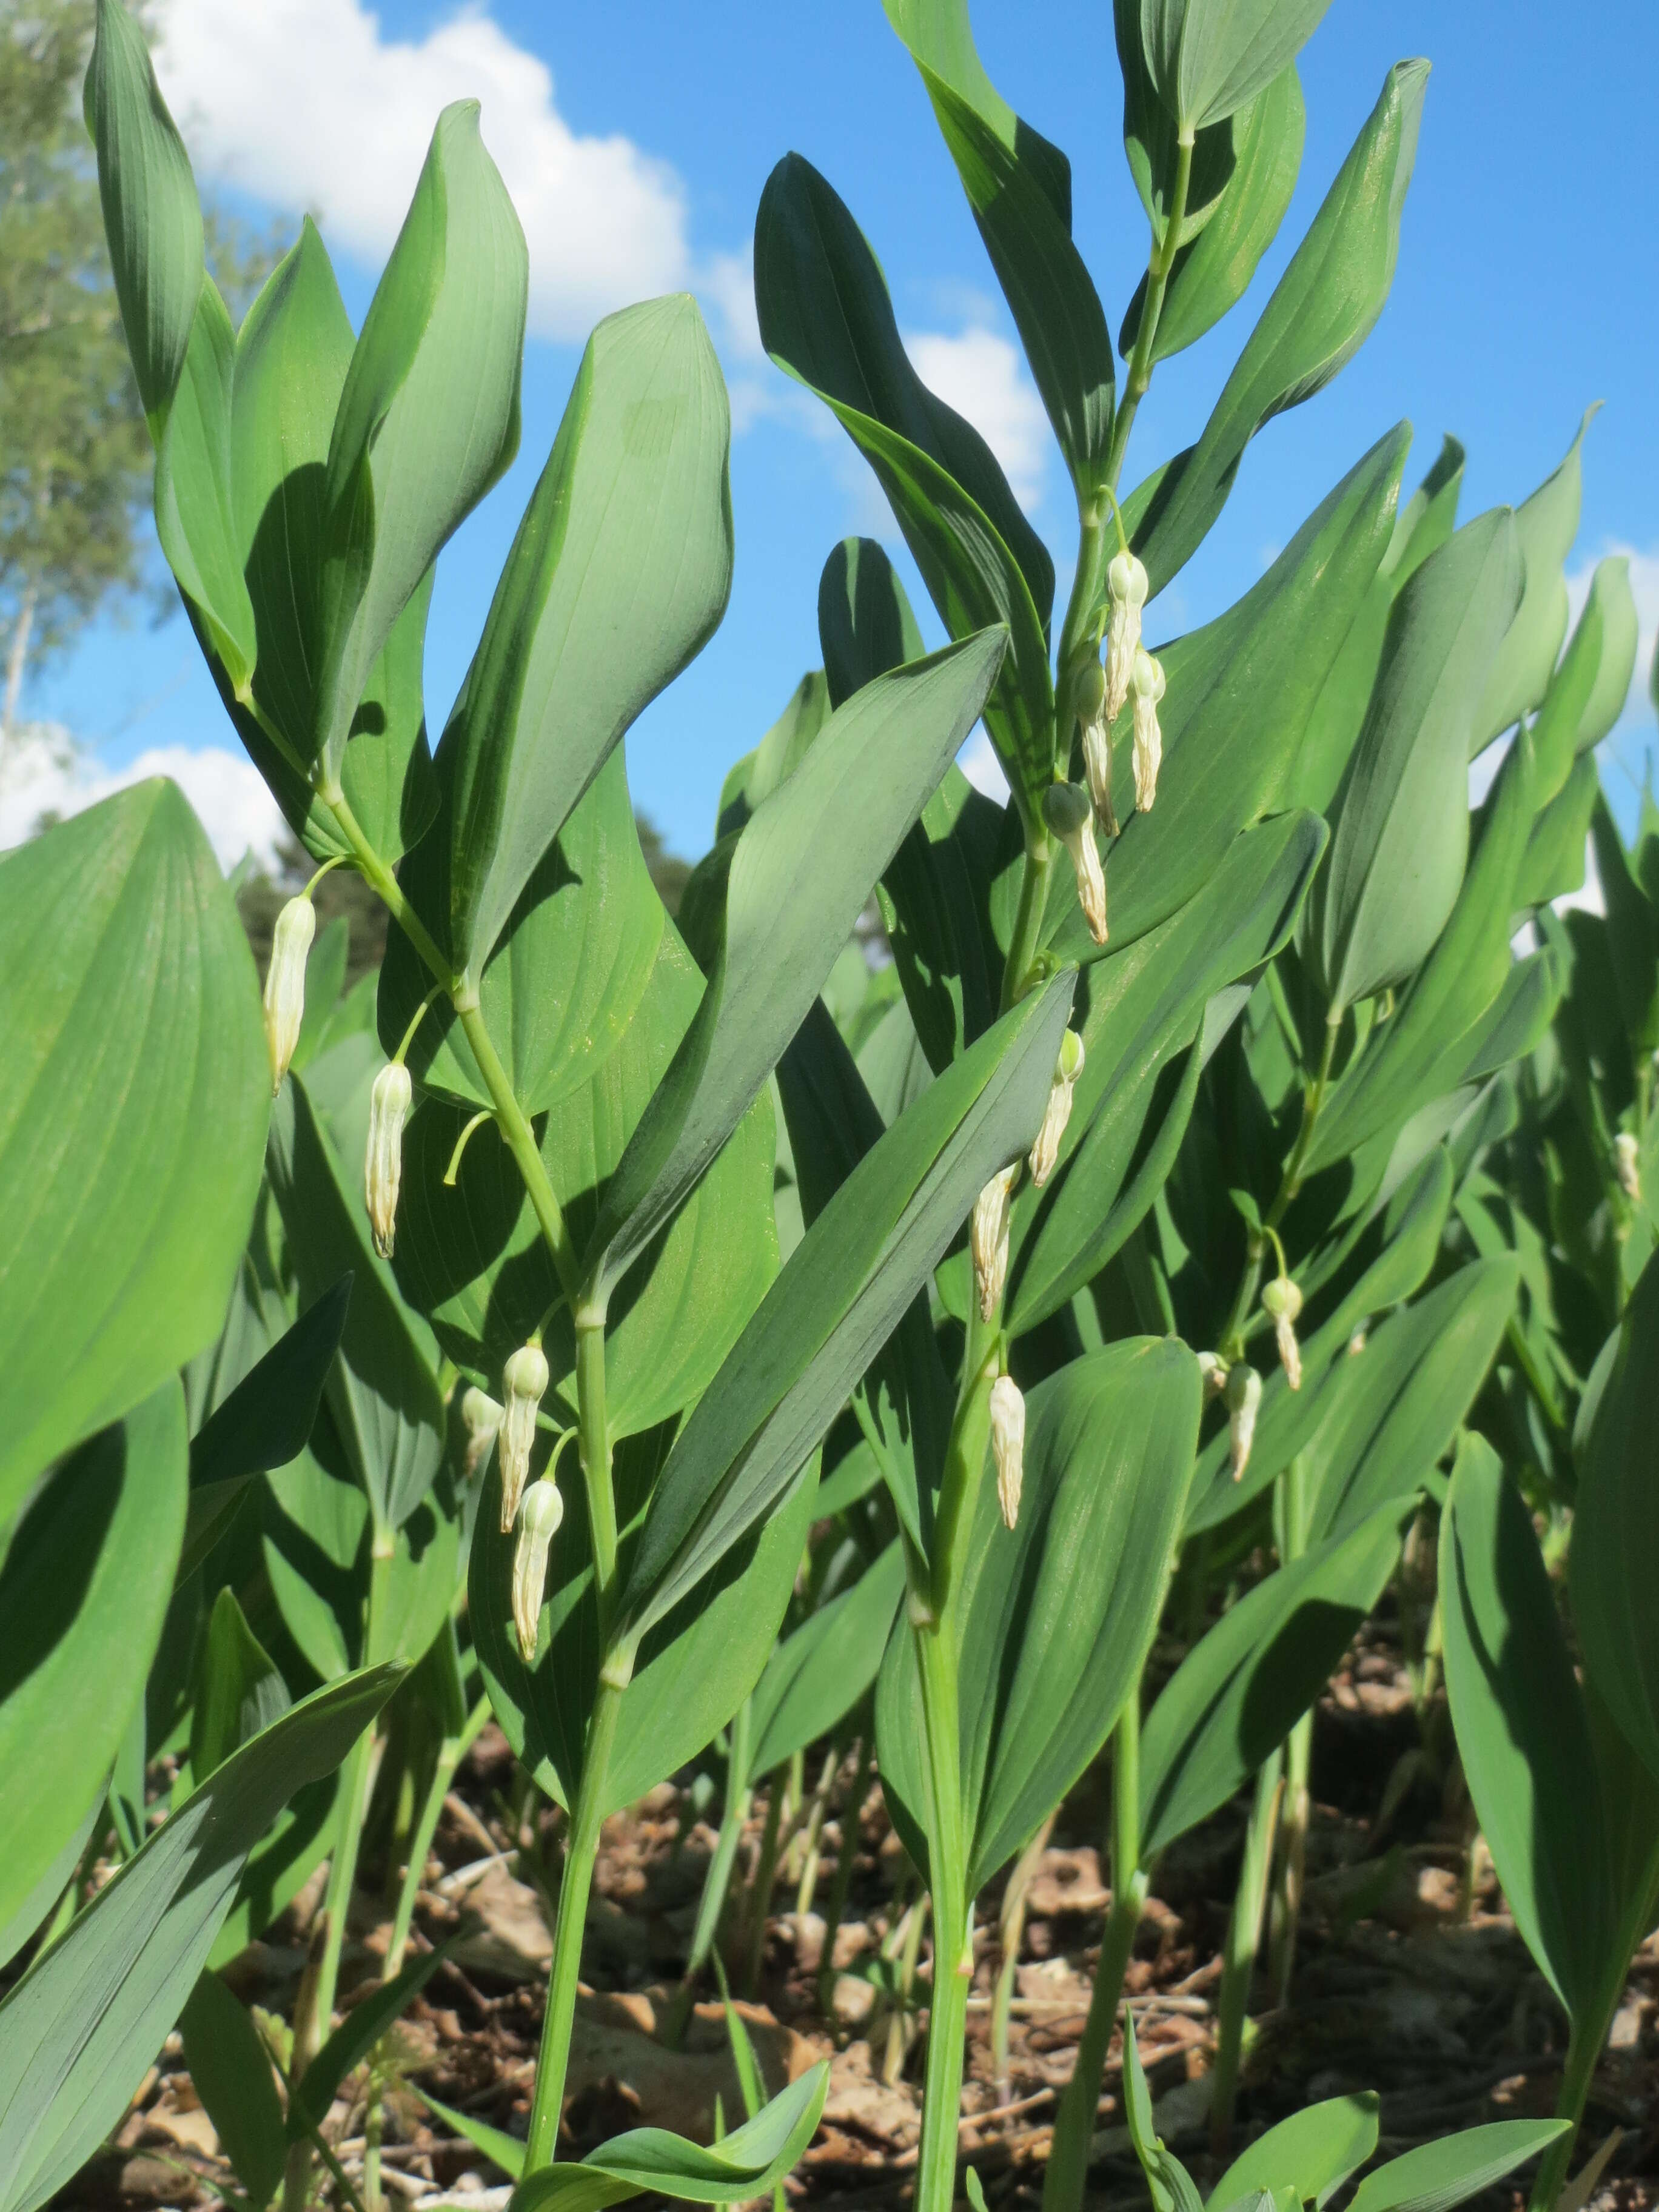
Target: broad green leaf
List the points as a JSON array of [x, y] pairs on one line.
[[133, 1116], [27, 1918], [1227, 752], [79, 2029], [84, 1589], [791, 897], [835, 1303], [1615, 1531], [1019, 187], [693, 1670], [152, 217], [866, 626], [1315, 2151], [230, 2071], [1151, 142], [266, 1421], [1438, 2175], [239, 1690], [826, 318], [475, 1260], [1417, 1052], [506, 2151], [1393, 1251], [382, 1388], [194, 518], [1425, 522], [1058, 1614], [567, 975], [429, 418], [1553, 864], [1398, 1404], [1139, 1015], [1513, 1025], [1522, 1727], [1633, 932], [1547, 524], [1610, 618], [1213, 269], [617, 578], [1320, 314], [353, 2040], [1207, 58], [314, 1526], [1571, 694], [748, 2163], [292, 1847], [779, 753], [815, 1676], [1171, 2187], [1245, 1684], [1402, 834]]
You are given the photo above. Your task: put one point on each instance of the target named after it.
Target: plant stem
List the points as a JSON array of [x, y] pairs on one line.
[[360, 1781], [964, 1460], [1239, 1957], [1023, 944], [375, 872], [594, 1448], [514, 1125], [851, 1810], [1160, 263], [553, 2059], [1074, 2124], [947, 2018], [1298, 1750], [760, 1890], [1312, 1106], [450, 1752]]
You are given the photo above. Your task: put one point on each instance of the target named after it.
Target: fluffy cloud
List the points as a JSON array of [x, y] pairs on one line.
[[982, 376], [307, 105], [43, 774], [1644, 589]]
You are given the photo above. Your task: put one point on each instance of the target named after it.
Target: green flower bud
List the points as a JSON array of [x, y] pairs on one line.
[[285, 984], [1627, 1165], [1214, 1372], [1067, 811], [383, 1161], [1058, 1112], [538, 1521], [524, 1385], [1281, 1302], [1008, 1444]]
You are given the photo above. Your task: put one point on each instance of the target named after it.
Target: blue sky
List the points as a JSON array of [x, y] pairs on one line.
[[1526, 285]]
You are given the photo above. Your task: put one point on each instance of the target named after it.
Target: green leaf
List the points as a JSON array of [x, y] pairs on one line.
[[840, 1296], [1552, 865], [79, 2029], [1244, 1685], [474, 1257], [152, 217], [1315, 2151], [792, 895], [1396, 1406], [815, 1677], [1615, 1531], [84, 1588], [617, 577], [1140, 1016], [266, 1421], [1402, 835], [1019, 187], [230, 2071], [1058, 1614], [1212, 270], [780, 752], [566, 977], [1521, 1729], [1206, 58], [429, 418], [1438, 2175], [1547, 524], [194, 516], [382, 1388], [1229, 754], [1321, 311], [353, 2040], [826, 318], [1168, 2181], [1610, 621], [507, 2151], [1633, 932], [750, 2162], [132, 1119], [693, 1670], [239, 1690]]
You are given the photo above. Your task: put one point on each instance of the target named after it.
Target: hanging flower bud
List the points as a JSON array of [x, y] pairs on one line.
[[285, 984], [1058, 1112], [383, 1163], [1148, 686], [538, 1520], [1213, 1371], [1243, 1395], [988, 1236], [525, 1384], [1626, 1165], [482, 1418], [1358, 1340], [1008, 1444], [1097, 742], [1281, 1302], [1067, 811], [1126, 579]]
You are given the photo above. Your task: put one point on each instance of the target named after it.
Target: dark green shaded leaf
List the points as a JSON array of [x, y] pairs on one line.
[[1313, 2151], [1207, 58], [230, 2071], [239, 1691], [816, 1677]]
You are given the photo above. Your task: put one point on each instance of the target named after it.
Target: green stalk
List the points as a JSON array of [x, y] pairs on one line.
[[733, 1817], [1161, 262], [450, 1752], [1312, 1107], [953, 1965], [359, 1780], [593, 1444], [1074, 2124], [374, 872], [760, 1890], [520, 1140], [1298, 1750], [1028, 918], [807, 1887], [553, 2059], [1238, 1957], [964, 1464]]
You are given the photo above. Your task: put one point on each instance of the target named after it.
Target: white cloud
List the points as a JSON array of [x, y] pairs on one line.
[[727, 284], [982, 376], [307, 105], [1645, 590], [44, 773]]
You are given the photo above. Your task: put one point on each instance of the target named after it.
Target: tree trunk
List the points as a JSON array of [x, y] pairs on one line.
[[17, 659]]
